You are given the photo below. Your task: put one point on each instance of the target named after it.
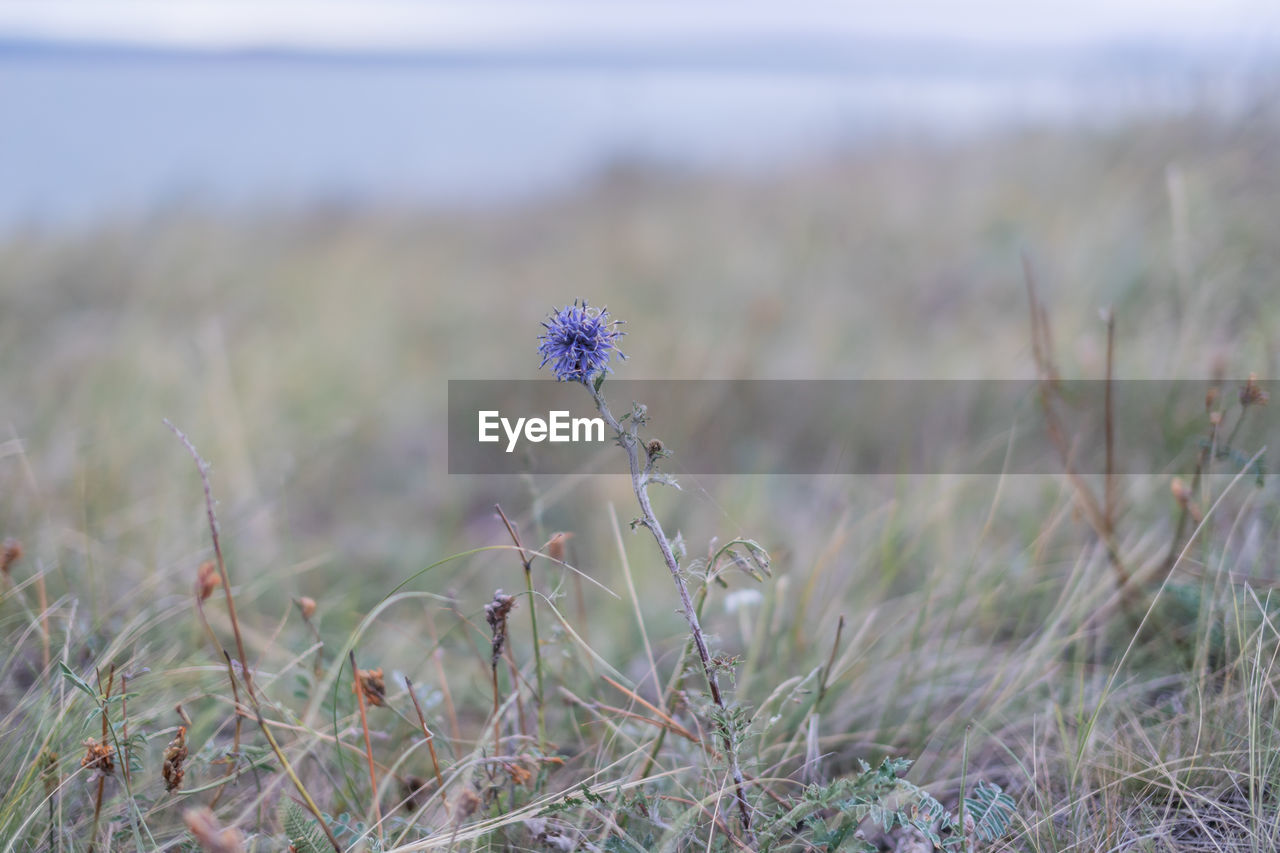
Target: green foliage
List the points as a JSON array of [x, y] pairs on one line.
[[80, 683], [300, 828], [755, 564], [991, 809], [135, 747], [828, 816], [620, 844]]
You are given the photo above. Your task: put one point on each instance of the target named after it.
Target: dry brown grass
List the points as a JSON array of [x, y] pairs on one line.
[[969, 623]]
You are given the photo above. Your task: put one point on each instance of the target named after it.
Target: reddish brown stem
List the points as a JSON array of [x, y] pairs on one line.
[[431, 738], [203, 467], [368, 743], [102, 776]]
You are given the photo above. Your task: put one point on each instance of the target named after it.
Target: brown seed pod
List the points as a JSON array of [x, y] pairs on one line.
[[207, 580], [99, 756], [174, 755], [372, 684], [556, 544], [1252, 394], [1182, 494], [11, 553], [413, 786], [496, 612], [211, 835], [467, 804]]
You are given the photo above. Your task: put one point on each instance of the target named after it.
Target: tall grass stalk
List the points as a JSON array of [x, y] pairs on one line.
[[526, 563], [368, 744], [203, 468]]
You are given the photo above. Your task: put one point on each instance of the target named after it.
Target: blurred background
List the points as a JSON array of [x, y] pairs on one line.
[[284, 225], [130, 107]]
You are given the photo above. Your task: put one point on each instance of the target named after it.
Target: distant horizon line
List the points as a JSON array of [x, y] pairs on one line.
[[861, 54]]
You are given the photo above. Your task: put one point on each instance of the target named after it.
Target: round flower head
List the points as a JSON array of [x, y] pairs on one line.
[[579, 341]]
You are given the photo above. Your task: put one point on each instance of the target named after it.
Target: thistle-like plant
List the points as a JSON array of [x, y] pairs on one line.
[[578, 343]]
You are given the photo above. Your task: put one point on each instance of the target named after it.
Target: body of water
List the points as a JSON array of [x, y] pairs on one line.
[[88, 134]]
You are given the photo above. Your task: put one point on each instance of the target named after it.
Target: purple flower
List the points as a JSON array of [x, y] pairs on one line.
[[578, 342]]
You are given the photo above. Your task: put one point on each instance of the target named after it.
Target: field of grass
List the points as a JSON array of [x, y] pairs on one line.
[[974, 625]]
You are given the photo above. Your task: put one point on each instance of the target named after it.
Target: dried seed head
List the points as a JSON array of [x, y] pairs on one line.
[[49, 771], [207, 580], [307, 605], [11, 554], [99, 756], [1252, 394], [555, 546], [467, 804], [520, 775], [654, 448], [412, 787], [174, 755], [210, 834], [371, 683], [496, 613], [1182, 494]]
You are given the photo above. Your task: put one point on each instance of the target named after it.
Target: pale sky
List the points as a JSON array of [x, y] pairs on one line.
[[517, 24]]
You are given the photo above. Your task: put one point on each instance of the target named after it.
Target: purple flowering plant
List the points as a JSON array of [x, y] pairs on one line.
[[579, 341]]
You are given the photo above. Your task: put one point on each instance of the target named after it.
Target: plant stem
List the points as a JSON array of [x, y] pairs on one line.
[[640, 485], [217, 552], [203, 468], [232, 759], [497, 719], [102, 775], [431, 746], [297, 783], [526, 561], [368, 744], [124, 725]]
